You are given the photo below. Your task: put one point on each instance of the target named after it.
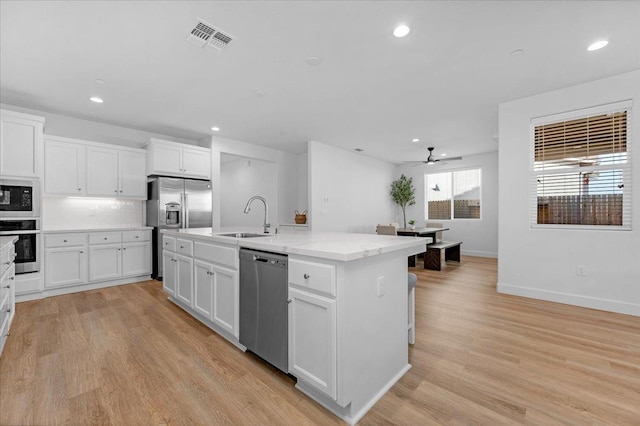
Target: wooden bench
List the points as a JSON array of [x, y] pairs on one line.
[[434, 253]]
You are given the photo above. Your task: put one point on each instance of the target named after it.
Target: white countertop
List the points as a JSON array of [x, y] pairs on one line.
[[9, 239], [66, 231], [341, 246]]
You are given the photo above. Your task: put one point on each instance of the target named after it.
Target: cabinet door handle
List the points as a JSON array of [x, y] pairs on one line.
[[124, 249], [115, 190], [79, 189], [7, 286], [289, 300], [306, 276], [121, 190], [105, 238], [64, 241], [137, 236], [8, 310], [181, 247], [81, 252], [12, 278]]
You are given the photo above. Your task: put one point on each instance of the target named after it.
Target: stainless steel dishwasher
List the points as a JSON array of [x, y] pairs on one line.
[[263, 306]]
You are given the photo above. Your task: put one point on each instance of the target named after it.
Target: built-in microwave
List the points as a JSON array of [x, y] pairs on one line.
[[19, 198]]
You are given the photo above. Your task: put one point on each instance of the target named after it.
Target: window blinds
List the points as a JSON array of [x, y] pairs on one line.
[[581, 168]]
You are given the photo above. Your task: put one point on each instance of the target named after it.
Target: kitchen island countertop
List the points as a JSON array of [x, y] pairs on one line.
[[341, 246]]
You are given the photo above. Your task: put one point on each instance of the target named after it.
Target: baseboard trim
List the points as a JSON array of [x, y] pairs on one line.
[[572, 299], [50, 292], [346, 413], [478, 253]]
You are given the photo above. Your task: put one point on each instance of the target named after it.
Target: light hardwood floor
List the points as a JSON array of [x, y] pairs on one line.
[[125, 355]]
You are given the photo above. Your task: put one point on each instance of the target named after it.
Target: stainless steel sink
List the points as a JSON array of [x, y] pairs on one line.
[[242, 235]]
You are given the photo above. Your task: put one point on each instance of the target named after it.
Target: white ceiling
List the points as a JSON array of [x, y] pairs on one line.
[[442, 83]]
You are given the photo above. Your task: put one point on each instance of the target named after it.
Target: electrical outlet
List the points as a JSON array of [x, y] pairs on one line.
[[380, 286], [580, 271]]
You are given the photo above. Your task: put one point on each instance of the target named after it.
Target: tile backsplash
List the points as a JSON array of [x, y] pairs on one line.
[[85, 213]]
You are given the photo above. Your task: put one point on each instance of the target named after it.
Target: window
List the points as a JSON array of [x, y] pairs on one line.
[[581, 170], [457, 192]]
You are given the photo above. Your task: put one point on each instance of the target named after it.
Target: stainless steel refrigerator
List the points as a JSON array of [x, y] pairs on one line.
[[175, 203]]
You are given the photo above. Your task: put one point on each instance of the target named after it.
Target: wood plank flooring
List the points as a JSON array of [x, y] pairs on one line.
[[126, 356]]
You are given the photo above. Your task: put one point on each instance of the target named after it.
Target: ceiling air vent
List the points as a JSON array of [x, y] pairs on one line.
[[203, 34]]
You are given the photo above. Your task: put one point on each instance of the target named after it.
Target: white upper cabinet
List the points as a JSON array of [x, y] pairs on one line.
[[176, 159], [64, 167], [102, 171], [133, 181], [116, 173], [107, 170], [20, 144]]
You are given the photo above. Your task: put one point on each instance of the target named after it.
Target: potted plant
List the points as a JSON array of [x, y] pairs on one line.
[[404, 194], [412, 224]]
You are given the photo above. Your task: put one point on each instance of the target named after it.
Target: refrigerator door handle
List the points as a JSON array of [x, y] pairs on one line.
[[182, 210], [186, 210]]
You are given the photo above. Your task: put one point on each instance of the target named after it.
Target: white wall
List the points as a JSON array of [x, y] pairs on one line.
[[541, 263], [239, 181], [349, 192], [281, 204], [479, 237], [303, 182], [70, 127]]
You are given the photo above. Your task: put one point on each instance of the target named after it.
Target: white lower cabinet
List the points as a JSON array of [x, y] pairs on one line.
[[184, 284], [225, 299], [312, 340], [105, 262], [136, 259], [81, 258], [65, 266], [203, 286], [169, 279], [204, 277]]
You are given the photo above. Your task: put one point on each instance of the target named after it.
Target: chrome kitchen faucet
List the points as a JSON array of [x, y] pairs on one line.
[[247, 209]]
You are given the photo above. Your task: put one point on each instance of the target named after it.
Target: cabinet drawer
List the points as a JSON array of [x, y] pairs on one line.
[[135, 236], [184, 246], [105, 237], [219, 254], [169, 243], [64, 240], [314, 276], [5, 309], [7, 281]]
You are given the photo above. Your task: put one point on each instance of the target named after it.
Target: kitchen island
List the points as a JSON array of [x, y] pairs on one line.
[[347, 312]]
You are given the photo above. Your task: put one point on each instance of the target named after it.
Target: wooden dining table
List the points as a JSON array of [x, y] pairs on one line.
[[420, 232]]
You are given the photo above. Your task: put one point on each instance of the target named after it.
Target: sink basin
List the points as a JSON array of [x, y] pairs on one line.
[[243, 235]]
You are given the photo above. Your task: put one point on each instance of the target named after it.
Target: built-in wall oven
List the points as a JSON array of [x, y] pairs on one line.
[[19, 198], [28, 232]]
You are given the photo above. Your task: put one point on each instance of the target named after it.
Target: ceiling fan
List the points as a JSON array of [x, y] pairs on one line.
[[431, 160]]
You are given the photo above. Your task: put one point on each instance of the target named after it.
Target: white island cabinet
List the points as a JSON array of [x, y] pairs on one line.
[[202, 277], [348, 306]]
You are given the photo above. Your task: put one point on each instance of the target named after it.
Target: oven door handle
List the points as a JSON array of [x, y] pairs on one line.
[[18, 232]]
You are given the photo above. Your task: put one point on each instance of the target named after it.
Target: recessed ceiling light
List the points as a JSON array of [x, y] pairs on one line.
[[517, 52], [96, 99], [415, 140], [99, 81], [597, 45], [314, 60], [215, 129], [401, 30], [443, 155]]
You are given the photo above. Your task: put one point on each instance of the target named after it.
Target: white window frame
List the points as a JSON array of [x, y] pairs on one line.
[[451, 171], [627, 168]]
